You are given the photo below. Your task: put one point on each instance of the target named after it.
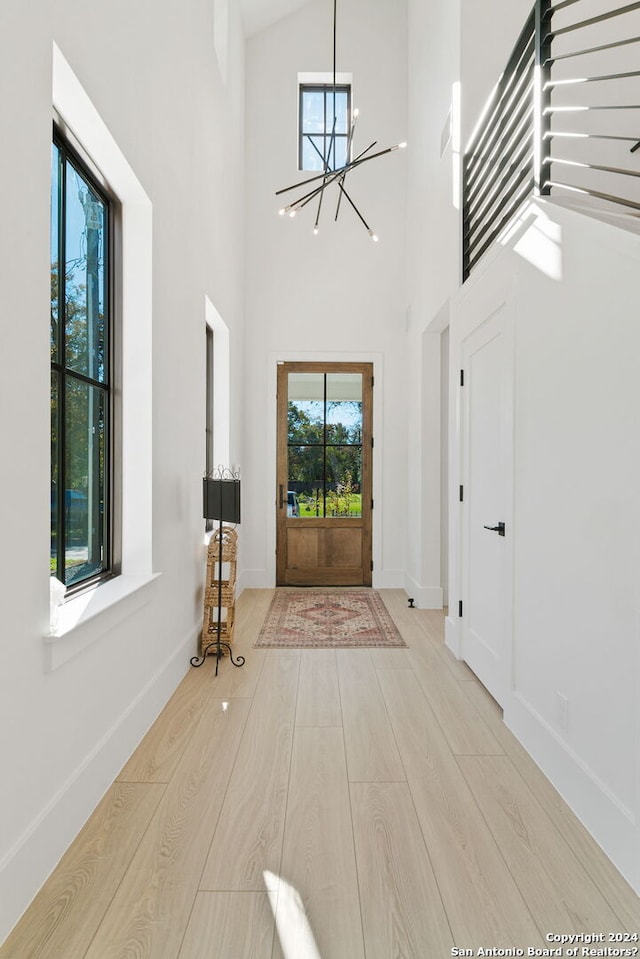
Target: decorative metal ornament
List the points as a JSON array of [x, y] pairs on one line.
[[338, 175]]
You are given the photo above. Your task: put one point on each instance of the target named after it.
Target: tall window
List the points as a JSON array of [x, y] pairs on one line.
[[316, 147], [81, 374]]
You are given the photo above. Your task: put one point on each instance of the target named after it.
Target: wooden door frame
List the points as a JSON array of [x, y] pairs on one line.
[[366, 368]]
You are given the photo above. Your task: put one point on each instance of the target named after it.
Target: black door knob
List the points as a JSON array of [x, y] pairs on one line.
[[499, 529]]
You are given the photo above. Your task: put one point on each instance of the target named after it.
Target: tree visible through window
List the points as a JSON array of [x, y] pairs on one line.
[[320, 146], [324, 419], [80, 369]]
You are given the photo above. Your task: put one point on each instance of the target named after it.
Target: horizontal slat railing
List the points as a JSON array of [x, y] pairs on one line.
[[498, 162], [570, 128], [594, 105]]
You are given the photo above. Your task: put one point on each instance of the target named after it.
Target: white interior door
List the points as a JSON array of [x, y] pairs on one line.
[[487, 561]]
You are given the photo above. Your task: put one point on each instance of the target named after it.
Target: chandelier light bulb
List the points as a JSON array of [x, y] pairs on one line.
[[373, 236], [356, 113], [403, 145], [282, 212], [292, 213], [315, 231]]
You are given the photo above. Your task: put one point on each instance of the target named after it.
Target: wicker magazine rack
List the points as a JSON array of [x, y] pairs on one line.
[[219, 589]]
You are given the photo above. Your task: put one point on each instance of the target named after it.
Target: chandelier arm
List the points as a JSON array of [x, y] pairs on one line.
[[334, 175], [317, 151], [332, 144], [335, 21], [312, 179], [359, 160], [359, 214], [307, 197], [315, 227], [341, 185], [325, 160], [354, 119]]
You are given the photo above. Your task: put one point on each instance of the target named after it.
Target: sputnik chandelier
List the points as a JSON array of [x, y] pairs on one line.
[[333, 175]]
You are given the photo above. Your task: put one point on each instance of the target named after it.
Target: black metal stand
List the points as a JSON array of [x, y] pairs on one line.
[[230, 511]]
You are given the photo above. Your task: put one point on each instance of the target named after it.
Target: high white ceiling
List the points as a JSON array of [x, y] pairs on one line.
[[258, 14]]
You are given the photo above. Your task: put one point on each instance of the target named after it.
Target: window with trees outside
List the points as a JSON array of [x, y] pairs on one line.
[[81, 370], [317, 148], [324, 420]]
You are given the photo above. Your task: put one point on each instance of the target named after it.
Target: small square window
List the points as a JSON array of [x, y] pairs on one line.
[[325, 119]]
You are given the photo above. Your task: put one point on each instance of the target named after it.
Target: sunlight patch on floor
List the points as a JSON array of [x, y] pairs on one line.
[[295, 934]]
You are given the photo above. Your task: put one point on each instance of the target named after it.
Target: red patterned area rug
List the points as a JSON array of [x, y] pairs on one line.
[[314, 618]]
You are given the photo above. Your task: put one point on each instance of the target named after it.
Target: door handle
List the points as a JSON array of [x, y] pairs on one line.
[[499, 529], [281, 496]]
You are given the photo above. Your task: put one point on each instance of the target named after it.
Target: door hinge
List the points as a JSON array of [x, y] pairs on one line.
[[460, 608], [372, 442], [461, 377], [373, 381], [462, 494], [371, 565], [371, 504]]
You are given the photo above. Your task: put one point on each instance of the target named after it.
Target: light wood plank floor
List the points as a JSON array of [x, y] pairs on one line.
[[348, 804]]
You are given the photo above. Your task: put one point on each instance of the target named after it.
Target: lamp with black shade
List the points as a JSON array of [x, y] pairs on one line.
[[221, 503]]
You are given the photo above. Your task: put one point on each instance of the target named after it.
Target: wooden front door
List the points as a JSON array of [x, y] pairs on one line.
[[323, 494]]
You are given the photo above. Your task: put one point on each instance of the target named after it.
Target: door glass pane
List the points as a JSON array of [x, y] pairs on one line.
[[344, 478], [85, 489], [85, 278], [344, 408], [325, 445], [305, 488], [306, 408]]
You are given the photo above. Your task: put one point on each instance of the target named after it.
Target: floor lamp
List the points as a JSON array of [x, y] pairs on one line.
[[221, 502]]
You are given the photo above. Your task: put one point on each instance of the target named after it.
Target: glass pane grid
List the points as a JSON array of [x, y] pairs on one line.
[[324, 446], [318, 109], [80, 399]]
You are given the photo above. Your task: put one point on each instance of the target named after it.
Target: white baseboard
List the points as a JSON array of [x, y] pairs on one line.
[[452, 635], [425, 597], [37, 851], [254, 579], [609, 821], [388, 579]]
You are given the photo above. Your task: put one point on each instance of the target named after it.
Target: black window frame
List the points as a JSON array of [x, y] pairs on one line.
[[327, 90], [60, 371]]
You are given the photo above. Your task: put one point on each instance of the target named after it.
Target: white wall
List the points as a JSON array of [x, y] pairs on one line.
[[66, 733], [336, 295], [577, 524], [576, 529], [432, 273], [577, 592]]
